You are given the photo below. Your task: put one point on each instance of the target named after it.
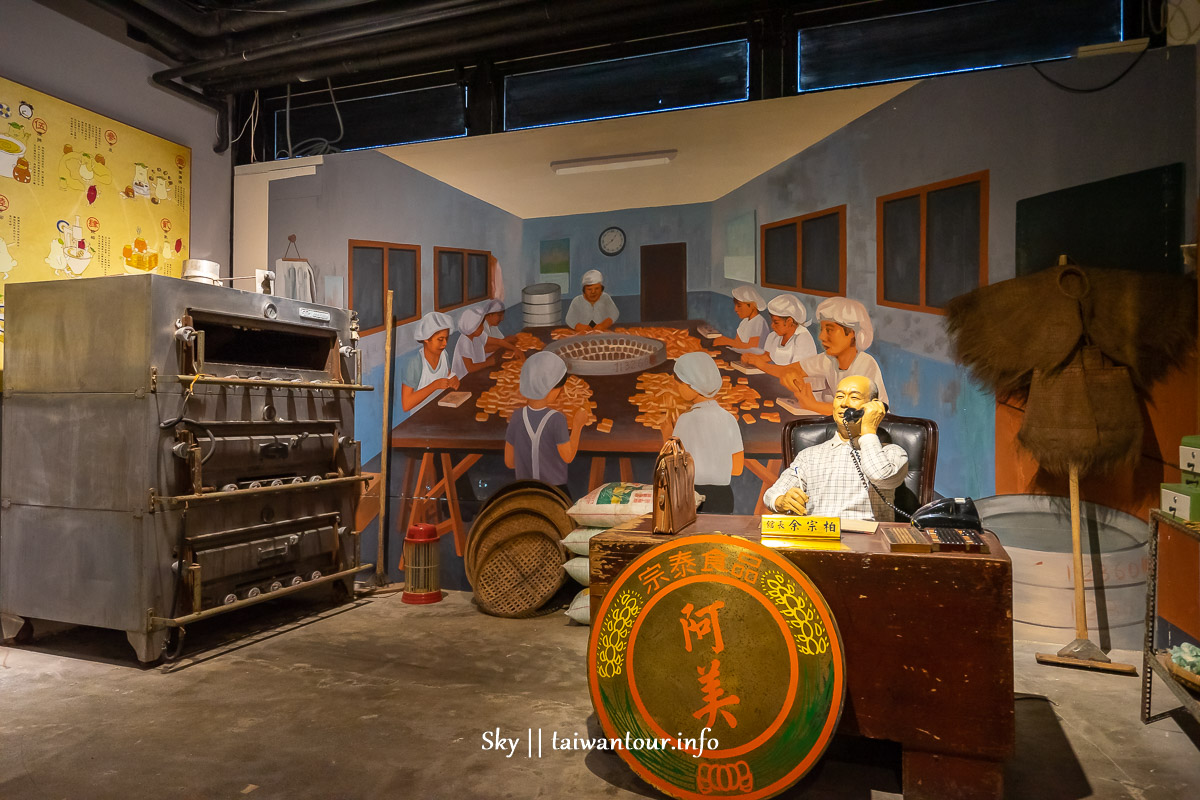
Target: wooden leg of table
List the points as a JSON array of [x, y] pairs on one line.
[[596, 477], [768, 474], [456, 523], [934, 776], [426, 474], [402, 520], [626, 469]]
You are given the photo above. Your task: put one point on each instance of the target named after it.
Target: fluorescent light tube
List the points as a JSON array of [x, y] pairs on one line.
[[605, 163]]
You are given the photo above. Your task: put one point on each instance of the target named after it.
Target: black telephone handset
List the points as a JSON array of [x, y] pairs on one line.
[[852, 415]]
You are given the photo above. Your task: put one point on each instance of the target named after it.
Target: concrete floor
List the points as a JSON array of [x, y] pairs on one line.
[[376, 699]]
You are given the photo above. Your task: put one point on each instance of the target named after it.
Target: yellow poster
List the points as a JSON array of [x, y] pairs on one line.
[[82, 195]]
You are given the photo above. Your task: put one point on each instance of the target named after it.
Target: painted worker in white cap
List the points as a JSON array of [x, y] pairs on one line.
[[753, 330], [493, 313], [470, 351], [846, 333], [538, 444], [594, 309], [789, 341], [426, 370], [710, 433]]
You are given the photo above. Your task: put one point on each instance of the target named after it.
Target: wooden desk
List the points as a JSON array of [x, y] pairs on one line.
[[435, 436], [928, 640]]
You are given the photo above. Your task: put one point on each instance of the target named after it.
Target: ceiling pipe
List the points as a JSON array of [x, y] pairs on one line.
[[446, 33], [467, 42], [288, 28], [244, 17], [220, 106], [170, 39], [424, 14]]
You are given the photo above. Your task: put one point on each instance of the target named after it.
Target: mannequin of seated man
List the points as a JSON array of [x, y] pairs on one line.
[[853, 392]]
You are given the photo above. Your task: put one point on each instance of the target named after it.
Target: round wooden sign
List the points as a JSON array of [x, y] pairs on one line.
[[716, 669]]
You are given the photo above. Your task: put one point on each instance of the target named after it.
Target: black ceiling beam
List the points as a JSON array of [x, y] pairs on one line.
[[575, 24], [354, 27], [244, 16], [431, 47]]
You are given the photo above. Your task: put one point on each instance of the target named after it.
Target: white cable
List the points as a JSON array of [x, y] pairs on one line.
[[249, 117], [318, 145]]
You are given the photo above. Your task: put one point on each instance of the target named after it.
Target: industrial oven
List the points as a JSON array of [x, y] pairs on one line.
[[172, 450]]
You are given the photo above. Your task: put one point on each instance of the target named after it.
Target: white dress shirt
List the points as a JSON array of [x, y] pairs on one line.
[[827, 474]]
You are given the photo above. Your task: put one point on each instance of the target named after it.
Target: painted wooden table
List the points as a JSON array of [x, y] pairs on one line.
[[441, 441], [928, 639]]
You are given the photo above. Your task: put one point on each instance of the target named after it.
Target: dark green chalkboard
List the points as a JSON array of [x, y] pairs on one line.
[[1132, 221]]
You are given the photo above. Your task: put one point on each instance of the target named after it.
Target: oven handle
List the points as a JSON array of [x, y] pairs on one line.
[[158, 623], [184, 499], [350, 387]]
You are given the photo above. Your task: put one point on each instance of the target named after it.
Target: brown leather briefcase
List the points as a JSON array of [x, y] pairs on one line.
[[674, 488]]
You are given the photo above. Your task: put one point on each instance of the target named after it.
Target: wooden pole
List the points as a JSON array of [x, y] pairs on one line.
[[1081, 631], [385, 451]]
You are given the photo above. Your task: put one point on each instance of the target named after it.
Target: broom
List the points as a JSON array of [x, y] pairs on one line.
[[1081, 653]]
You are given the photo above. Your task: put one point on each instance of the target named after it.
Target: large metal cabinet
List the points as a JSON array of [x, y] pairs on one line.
[[172, 450]]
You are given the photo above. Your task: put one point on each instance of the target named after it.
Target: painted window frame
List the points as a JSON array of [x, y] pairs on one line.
[[840, 211], [981, 178], [385, 246], [465, 251]]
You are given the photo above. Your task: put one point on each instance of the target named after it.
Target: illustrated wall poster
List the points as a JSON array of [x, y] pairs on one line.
[[555, 262], [740, 247], [82, 195]]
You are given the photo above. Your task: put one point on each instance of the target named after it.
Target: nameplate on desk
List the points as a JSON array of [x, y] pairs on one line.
[[788, 526]]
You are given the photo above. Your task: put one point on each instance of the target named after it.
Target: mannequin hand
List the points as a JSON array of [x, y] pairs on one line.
[[873, 415], [793, 501]]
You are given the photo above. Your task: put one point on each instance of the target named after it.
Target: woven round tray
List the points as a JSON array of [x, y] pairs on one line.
[[501, 529], [517, 486], [534, 499], [520, 575]]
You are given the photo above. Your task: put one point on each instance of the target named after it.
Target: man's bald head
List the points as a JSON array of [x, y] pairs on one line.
[[861, 384]]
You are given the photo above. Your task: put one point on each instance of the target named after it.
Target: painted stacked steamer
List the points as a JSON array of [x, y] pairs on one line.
[[542, 305], [172, 450]]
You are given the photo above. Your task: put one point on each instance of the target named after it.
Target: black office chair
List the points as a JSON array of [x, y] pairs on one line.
[[918, 437]]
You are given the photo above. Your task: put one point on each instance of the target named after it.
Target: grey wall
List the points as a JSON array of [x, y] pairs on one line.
[[46, 51], [366, 195], [622, 273], [1031, 136]]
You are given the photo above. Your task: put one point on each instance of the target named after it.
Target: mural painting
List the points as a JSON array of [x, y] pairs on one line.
[[82, 195], [780, 339]]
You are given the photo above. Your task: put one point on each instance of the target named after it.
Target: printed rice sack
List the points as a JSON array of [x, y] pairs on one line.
[[612, 504], [577, 540], [577, 568], [580, 609]]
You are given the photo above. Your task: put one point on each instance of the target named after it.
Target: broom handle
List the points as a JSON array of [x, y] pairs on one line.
[[385, 454], [1081, 631]]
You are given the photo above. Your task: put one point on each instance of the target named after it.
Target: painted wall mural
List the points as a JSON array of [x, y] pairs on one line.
[[611, 424], [82, 195]]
